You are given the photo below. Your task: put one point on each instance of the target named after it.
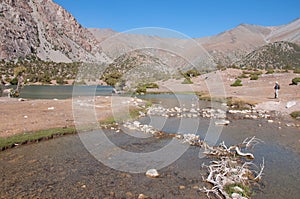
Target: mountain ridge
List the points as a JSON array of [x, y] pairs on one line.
[[44, 29]]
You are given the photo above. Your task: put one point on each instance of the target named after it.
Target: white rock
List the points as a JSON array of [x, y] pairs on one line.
[[193, 110], [152, 173], [270, 121], [290, 124], [136, 123], [236, 196], [238, 189], [254, 117], [51, 108], [290, 104], [25, 116], [222, 122]]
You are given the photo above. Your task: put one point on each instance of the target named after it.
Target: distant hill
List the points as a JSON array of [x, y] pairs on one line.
[[137, 67], [225, 48], [282, 54]]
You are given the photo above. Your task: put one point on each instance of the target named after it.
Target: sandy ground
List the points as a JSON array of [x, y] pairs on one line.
[[259, 91], [32, 115], [27, 116]]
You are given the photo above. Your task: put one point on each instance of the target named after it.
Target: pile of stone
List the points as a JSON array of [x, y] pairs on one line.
[[136, 125], [251, 114], [186, 112]]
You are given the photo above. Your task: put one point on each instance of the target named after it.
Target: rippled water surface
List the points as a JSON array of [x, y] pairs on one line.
[[63, 167]]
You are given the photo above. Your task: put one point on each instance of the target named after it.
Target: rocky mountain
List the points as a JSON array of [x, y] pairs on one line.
[[283, 55], [225, 48], [44, 29]]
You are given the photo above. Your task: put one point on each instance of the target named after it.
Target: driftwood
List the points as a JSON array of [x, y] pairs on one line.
[[231, 171]]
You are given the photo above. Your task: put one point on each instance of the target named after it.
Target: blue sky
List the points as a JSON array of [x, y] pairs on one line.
[[194, 18]]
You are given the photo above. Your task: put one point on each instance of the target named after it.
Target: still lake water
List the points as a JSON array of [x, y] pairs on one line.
[[62, 92], [57, 167]]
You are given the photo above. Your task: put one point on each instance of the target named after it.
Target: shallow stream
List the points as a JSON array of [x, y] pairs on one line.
[[63, 167]]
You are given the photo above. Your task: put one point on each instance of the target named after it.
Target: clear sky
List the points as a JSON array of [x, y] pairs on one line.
[[195, 18]]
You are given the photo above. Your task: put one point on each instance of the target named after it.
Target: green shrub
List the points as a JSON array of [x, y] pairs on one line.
[[295, 114], [254, 77], [253, 72], [270, 71], [295, 80], [191, 73], [187, 81], [112, 78], [297, 70], [141, 89], [151, 85], [237, 82], [243, 76], [245, 193], [14, 81], [61, 81]]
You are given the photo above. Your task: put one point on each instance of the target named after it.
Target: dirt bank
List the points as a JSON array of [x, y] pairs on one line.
[[32, 115]]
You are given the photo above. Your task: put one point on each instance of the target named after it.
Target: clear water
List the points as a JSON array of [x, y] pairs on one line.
[[62, 92], [280, 150]]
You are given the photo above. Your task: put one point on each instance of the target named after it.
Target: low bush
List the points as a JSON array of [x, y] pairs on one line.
[[243, 76], [151, 85], [295, 80], [297, 70], [237, 82], [187, 81], [254, 77], [270, 71], [295, 114]]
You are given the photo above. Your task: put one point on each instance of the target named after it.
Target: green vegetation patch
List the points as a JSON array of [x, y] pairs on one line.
[[297, 70], [187, 81], [243, 76], [142, 88], [237, 82], [296, 80], [295, 114], [37, 136], [191, 73], [270, 71], [230, 189], [254, 77]]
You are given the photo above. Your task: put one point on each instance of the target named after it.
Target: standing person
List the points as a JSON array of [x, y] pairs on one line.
[[276, 87]]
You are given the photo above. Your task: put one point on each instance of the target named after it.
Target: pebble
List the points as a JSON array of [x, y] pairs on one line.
[[142, 196], [152, 173], [25, 116], [181, 187], [129, 195], [270, 121], [222, 122]]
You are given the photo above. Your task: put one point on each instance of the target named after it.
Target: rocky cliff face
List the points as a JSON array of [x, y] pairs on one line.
[[44, 29]]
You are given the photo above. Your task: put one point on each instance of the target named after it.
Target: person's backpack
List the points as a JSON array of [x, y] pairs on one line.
[[278, 87]]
